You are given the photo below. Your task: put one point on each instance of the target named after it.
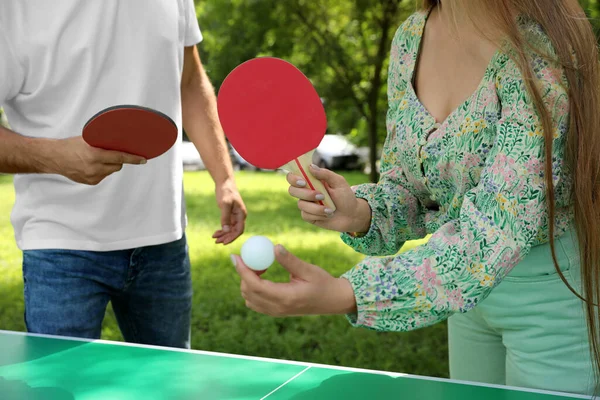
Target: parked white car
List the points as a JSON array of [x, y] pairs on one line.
[[191, 157], [336, 152], [240, 163]]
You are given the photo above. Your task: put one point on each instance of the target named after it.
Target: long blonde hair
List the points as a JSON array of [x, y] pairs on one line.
[[565, 23]]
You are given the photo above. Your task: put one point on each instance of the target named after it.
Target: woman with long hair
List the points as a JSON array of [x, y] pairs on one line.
[[493, 148]]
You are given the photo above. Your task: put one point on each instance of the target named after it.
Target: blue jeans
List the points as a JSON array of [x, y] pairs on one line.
[[150, 288]]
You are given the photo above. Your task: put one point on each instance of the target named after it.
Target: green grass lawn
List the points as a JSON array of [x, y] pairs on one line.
[[220, 320]]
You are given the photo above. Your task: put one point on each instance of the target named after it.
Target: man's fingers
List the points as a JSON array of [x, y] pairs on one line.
[[235, 232], [108, 169], [118, 157], [226, 216]]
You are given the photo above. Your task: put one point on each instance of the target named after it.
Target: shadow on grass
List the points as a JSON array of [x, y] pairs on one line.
[[269, 213], [11, 304], [222, 323]]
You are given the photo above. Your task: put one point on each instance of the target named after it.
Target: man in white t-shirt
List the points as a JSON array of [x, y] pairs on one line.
[[95, 225]]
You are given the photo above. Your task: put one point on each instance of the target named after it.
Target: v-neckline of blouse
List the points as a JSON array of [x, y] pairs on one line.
[[412, 74]]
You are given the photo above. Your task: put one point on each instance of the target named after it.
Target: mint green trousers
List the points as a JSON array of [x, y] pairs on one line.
[[530, 331]]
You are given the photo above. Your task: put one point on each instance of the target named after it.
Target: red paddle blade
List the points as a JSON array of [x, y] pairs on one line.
[[131, 129], [270, 112]]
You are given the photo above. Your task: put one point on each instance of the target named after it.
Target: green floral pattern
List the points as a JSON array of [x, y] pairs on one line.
[[475, 182]]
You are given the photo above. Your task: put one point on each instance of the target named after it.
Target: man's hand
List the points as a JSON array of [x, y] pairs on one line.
[[72, 157], [233, 213], [82, 163], [202, 125]]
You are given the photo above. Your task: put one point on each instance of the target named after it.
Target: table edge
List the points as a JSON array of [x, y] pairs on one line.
[[299, 363]]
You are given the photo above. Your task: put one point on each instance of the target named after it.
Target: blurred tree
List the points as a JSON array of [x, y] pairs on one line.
[[592, 8], [341, 45]]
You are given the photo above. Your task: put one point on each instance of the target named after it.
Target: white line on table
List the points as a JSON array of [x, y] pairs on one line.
[[286, 382]]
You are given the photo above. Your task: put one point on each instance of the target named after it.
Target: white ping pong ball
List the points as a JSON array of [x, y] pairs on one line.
[[258, 253]]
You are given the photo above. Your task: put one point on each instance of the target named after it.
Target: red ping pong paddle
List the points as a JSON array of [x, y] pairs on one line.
[[131, 129], [274, 117]]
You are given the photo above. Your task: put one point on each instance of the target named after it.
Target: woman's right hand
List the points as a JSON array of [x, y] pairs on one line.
[[351, 214]]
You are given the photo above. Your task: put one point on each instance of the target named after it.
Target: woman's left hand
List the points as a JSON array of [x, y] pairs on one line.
[[310, 291]]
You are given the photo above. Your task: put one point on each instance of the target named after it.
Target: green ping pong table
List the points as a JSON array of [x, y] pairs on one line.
[[52, 368]]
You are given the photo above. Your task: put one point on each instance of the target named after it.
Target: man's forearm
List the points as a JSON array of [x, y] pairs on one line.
[[201, 123], [21, 155]]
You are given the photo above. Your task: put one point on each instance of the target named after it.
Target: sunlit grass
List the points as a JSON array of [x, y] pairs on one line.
[[220, 320]]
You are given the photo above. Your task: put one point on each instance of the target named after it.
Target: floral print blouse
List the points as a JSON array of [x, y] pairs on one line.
[[474, 181]]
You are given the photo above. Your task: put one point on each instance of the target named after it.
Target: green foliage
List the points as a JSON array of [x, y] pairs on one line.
[[334, 42], [220, 320], [592, 9]]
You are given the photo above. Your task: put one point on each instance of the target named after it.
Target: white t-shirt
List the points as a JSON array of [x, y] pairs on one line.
[[60, 63]]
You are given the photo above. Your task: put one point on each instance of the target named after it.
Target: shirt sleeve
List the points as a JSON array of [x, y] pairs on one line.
[[499, 220], [193, 35], [11, 73], [396, 214]]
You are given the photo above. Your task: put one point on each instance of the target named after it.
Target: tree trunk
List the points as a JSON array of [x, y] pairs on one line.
[[390, 11], [374, 174]]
